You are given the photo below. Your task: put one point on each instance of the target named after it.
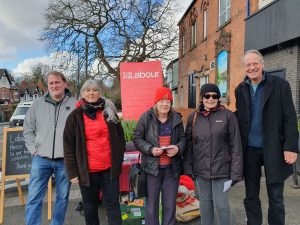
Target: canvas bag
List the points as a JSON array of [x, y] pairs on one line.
[[137, 181], [187, 205]]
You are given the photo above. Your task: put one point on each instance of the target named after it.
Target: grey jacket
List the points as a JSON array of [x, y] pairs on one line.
[[146, 137], [214, 148], [44, 126]]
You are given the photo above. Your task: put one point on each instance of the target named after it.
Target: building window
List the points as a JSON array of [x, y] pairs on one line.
[[175, 97], [224, 11], [182, 44], [193, 34], [203, 80], [181, 104], [204, 24], [6, 95]]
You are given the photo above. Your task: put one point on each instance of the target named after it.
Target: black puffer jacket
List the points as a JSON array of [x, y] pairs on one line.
[[146, 137], [214, 148]]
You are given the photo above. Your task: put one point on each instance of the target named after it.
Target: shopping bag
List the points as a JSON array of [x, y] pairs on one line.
[[187, 205]]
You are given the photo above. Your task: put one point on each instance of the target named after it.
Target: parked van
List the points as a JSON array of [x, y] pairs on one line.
[[17, 119]]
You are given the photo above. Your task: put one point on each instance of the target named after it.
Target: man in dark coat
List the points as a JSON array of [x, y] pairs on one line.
[[268, 126]]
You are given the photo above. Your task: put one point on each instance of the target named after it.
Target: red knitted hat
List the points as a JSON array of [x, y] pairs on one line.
[[163, 93]]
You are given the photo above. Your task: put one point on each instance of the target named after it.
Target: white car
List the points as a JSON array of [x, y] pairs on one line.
[[17, 119]]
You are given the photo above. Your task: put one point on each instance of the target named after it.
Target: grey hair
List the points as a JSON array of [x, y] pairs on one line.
[[253, 51], [109, 109], [90, 84]]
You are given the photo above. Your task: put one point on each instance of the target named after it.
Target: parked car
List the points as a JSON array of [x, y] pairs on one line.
[[17, 119]]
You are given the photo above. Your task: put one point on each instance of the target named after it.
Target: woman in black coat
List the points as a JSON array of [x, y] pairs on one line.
[[214, 155], [94, 147], [159, 135]]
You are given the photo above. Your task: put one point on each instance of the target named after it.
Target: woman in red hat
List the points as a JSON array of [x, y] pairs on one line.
[[159, 135]]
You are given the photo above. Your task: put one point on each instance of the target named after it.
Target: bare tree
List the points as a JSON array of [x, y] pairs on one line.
[[36, 74], [105, 33]]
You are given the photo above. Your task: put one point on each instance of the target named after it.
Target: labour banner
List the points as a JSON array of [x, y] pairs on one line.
[[139, 82]]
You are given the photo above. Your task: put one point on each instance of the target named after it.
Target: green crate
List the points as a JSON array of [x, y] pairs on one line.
[[129, 208], [137, 215], [134, 222]]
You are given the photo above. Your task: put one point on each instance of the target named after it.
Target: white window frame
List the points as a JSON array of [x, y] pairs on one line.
[[263, 3], [203, 80], [226, 11]]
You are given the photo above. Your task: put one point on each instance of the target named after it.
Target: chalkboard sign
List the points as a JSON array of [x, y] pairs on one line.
[[16, 164], [16, 159]]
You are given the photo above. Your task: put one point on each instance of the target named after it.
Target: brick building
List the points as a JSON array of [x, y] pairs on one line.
[[276, 23], [211, 44], [172, 80], [9, 93]]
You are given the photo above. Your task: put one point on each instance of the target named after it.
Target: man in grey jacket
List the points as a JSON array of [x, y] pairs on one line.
[[43, 134]]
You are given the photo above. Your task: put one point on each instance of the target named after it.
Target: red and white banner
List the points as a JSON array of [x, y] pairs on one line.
[[139, 82]]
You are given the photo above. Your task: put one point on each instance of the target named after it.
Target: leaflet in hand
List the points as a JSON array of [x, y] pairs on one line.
[[227, 185]]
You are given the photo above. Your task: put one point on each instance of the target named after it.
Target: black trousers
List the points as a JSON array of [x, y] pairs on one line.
[[110, 192], [276, 213]]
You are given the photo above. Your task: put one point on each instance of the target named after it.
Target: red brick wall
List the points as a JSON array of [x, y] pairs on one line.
[[253, 6], [193, 59]]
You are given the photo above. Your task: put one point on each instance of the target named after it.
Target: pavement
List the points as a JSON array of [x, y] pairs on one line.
[[14, 212]]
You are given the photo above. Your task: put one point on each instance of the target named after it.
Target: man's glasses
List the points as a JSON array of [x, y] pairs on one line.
[[208, 96]]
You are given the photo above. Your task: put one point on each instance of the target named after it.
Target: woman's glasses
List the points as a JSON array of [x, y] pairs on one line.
[[208, 96]]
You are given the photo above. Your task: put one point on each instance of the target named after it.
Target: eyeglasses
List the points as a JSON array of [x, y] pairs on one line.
[[248, 65], [208, 96]]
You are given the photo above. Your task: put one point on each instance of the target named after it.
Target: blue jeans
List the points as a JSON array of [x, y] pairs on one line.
[[41, 171], [212, 198]]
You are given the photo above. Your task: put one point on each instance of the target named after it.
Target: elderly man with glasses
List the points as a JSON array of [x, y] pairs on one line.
[[268, 126]]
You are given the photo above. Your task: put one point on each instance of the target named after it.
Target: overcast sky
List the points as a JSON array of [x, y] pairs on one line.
[[20, 24]]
